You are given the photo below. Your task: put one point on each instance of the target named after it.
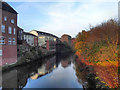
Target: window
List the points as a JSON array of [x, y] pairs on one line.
[[2, 40], [0, 52], [54, 39], [3, 28], [9, 41], [14, 42], [5, 18], [9, 30], [21, 38], [12, 20], [14, 31], [24, 37]]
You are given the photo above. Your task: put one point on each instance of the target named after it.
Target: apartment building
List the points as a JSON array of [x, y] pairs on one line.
[[30, 39], [20, 35], [67, 39], [8, 34], [45, 40]]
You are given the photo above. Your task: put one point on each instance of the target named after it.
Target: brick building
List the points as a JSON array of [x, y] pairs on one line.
[[8, 34], [67, 39], [50, 45], [20, 35], [35, 40], [31, 39], [73, 41], [46, 40]]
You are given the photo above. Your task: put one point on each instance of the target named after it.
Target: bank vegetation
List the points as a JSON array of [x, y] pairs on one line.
[[99, 47]]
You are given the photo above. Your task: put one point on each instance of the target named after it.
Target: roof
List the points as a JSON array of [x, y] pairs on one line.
[[40, 32], [66, 35], [73, 38], [5, 6], [19, 28], [27, 33]]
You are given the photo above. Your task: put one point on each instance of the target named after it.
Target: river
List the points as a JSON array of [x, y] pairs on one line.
[[57, 71]]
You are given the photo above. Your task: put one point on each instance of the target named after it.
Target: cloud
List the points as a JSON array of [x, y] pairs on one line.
[[66, 17]]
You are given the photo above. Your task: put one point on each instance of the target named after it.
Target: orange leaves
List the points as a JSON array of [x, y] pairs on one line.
[[108, 75], [78, 45], [108, 63], [78, 53], [99, 47]]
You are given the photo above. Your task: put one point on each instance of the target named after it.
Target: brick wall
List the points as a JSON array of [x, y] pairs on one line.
[[66, 38], [35, 41], [9, 51]]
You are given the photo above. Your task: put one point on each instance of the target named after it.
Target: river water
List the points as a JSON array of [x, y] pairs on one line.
[[57, 71]]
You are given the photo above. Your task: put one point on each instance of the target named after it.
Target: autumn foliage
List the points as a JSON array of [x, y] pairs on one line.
[[99, 47]]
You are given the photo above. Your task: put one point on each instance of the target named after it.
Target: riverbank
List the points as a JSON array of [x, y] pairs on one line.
[[27, 54], [28, 61], [26, 58], [99, 49], [87, 76]]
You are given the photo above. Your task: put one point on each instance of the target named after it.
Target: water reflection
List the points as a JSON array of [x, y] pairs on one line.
[[53, 72], [45, 68]]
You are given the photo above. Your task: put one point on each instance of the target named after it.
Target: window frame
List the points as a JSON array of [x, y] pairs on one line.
[[9, 29], [5, 18], [1, 52], [3, 28], [12, 21], [9, 41], [14, 41], [2, 40]]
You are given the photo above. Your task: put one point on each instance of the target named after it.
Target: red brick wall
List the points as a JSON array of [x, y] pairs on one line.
[[0, 56], [9, 54], [51, 45], [35, 41], [64, 39], [0, 21], [0, 61], [0, 35], [9, 51]]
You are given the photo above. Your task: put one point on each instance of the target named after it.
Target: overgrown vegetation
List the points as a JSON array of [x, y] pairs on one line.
[[99, 47], [26, 54]]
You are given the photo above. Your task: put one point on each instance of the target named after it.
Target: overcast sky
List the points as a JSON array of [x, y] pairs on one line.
[[66, 17]]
